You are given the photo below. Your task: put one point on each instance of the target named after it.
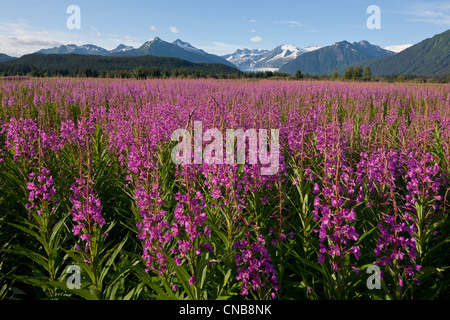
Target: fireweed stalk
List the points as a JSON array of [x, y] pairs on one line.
[[86, 205], [189, 221], [153, 227], [31, 143], [234, 185], [396, 241], [247, 246], [334, 209], [255, 270], [87, 215]]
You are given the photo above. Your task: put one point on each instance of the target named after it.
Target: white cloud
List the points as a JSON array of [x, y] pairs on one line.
[[174, 30], [252, 20], [219, 48], [123, 37], [256, 39], [291, 23], [430, 12], [17, 38], [96, 32], [153, 28], [253, 30]]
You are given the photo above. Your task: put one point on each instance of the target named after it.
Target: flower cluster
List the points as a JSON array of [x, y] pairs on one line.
[[21, 137], [395, 243], [41, 193], [86, 212], [334, 207], [255, 270], [423, 180], [153, 228]]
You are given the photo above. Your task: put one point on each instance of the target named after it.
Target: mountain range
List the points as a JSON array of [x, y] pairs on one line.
[[156, 47], [88, 65], [339, 55], [258, 59], [429, 57], [4, 57]]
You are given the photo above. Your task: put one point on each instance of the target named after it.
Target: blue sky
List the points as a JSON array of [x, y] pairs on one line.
[[218, 27]]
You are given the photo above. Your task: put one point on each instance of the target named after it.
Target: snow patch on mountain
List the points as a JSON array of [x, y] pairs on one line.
[[187, 46], [121, 48], [311, 48], [398, 48], [257, 60]]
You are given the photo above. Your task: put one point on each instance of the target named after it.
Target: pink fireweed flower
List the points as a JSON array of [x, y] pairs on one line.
[[255, 269], [86, 211], [41, 193]]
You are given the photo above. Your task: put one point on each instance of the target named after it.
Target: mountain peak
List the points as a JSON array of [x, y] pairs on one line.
[[339, 55], [177, 49], [254, 59], [150, 42], [364, 42], [187, 46], [122, 48], [342, 43]]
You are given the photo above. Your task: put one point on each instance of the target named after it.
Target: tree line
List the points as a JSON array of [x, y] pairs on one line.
[[350, 74]]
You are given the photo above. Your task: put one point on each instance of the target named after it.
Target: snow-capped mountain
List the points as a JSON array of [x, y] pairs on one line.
[[156, 47], [86, 49], [121, 48], [339, 55], [311, 48], [279, 56], [247, 59], [398, 48], [371, 49], [177, 49], [187, 46]]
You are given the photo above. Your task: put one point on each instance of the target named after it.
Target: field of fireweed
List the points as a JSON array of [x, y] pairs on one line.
[[93, 207]]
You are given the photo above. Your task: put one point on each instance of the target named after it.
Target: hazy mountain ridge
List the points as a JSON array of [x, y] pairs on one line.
[[5, 57]]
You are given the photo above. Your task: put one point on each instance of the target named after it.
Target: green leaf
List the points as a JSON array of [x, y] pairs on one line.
[[134, 292], [55, 236], [182, 275], [110, 261], [83, 293], [75, 255], [36, 257], [365, 234], [30, 232], [147, 279]]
